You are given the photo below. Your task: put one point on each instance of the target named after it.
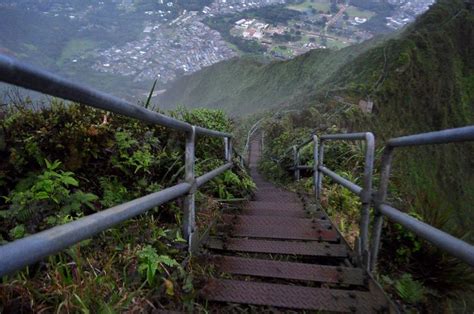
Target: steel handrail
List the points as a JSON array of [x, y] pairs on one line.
[[20, 74], [365, 192], [20, 253], [440, 239]]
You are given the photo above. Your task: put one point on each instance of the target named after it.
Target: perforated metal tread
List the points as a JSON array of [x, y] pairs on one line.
[[256, 230], [279, 213], [275, 197], [273, 221], [274, 205], [289, 270], [275, 226], [310, 248], [292, 297]]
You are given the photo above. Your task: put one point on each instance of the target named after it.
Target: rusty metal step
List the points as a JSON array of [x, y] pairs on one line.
[[257, 230], [275, 221], [275, 197], [278, 213], [308, 248], [289, 270], [274, 205], [292, 297]]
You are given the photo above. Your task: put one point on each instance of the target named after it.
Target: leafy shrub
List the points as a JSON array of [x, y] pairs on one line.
[[47, 194], [101, 160]]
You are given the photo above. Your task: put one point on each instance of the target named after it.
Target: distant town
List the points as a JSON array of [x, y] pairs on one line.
[[172, 39]]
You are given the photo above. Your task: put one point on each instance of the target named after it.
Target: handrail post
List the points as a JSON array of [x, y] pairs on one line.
[[296, 162], [319, 184], [229, 150], [189, 224], [380, 199], [316, 161], [366, 198], [226, 148], [263, 141]]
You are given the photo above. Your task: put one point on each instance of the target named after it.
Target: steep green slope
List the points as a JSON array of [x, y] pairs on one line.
[[246, 85], [424, 81], [421, 79]]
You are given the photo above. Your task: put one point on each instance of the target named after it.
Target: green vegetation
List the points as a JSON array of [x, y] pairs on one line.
[[420, 80], [69, 161], [271, 14], [245, 85], [57, 39], [320, 5], [353, 11], [76, 48]]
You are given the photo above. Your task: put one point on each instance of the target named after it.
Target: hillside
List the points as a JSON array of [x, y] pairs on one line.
[[420, 79], [246, 85]]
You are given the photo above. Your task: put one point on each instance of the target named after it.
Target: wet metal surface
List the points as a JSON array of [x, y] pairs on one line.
[[294, 297], [289, 270], [276, 227], [310, 248]]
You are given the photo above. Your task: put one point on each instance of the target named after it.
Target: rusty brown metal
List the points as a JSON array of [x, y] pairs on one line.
[[263, 230], [310, 248], [289, 270], [275, 197], [275, 221], [278, 213], [274, 205], [292, 297], [277, 224]]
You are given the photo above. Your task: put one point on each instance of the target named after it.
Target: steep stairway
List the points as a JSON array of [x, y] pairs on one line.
[[274, 253]]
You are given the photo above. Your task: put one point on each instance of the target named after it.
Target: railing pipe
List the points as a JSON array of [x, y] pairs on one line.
[[344, 136], [229, 149], [300, 146], [366, 194], [457, 135], [226, 148], [319, 186], [354, 188], [379, 199], [17, 73], [456, 247], [20, 253], [212, 174], [189, 209], [17, 254], [316, 161]]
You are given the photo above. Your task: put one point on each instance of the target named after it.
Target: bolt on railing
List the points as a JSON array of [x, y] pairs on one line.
[[20, 253]]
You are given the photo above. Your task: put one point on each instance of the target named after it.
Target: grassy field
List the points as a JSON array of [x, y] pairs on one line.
[[353, 12], [76, 48], [320, 5]]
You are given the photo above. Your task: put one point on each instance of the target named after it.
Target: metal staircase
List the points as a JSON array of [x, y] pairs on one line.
[[278, 251], [281, 254]]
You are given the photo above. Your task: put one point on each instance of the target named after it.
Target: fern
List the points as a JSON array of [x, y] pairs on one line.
[[410, 290], [150, 263]]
